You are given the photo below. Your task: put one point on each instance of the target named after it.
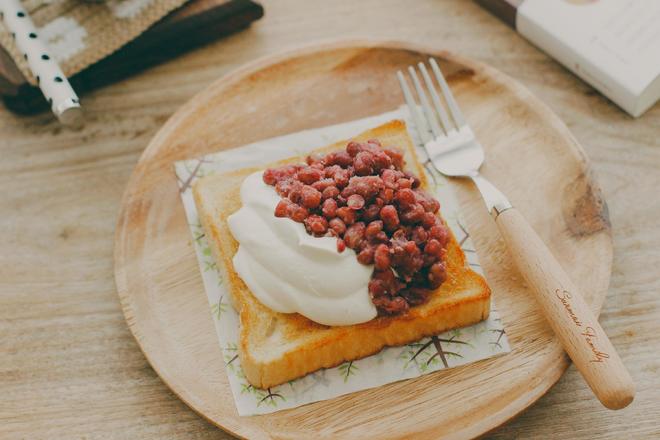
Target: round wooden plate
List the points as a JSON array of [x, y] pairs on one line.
[[530, 155]]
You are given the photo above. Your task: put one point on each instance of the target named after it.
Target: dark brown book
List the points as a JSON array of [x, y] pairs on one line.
[[195, 23]]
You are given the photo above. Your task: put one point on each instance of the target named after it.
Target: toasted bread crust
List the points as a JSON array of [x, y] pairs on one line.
[[304, 346]]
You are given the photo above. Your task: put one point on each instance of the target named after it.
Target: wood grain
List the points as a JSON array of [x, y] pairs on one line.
[[568, 314], [70, 368], [160, 288]]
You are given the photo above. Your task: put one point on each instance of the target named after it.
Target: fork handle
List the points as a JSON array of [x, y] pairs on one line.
[[569, 316]]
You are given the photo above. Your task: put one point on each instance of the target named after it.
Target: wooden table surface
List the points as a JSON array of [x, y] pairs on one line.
[[69, 367]]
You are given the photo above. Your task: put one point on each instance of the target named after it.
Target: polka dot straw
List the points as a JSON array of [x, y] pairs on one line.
[[54, 85]]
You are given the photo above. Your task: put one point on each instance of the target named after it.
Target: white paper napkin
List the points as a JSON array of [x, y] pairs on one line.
[[446, 350]]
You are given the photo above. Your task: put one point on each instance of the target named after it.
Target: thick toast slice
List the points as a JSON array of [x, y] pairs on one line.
[[274, 347]]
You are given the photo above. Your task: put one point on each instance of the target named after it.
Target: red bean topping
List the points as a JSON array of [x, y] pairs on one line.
[[364, 163], [309, 175], [322, 184], [353, 148], [270, 177], [297, 213], [386, 195], [428, 220], [390, 217], [413, 215], [341, 158], [282, 208], [342, 177], [366, 255], [364, 198], [331, 192], [338, 226], [310, 197], [371, 213], [397, 157], [433, 248], [405, 198], [439, 233], [382, 257], [354, 235], [373, 229], [404, 182], [355, 201], [415, 180], [329, 208], [437, 274], [316, 225], [347, 215], [419, 235]]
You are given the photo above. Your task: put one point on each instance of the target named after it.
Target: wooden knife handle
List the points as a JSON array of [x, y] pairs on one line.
[[569, 316]]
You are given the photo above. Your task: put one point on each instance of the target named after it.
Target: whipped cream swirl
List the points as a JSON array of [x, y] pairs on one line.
[[289, 270]]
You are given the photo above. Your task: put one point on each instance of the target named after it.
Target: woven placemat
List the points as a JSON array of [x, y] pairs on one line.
[[80, 33]]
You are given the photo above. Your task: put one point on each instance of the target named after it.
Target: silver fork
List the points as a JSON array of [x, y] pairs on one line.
[[454, 151]]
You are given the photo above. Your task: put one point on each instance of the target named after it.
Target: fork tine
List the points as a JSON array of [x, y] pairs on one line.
[[444, 118], [420, 121], [430, 116], [449, 97]]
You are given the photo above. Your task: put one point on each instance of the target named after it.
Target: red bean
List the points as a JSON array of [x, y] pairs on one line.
[[386, 195], [338, 226], [309, 197], [413, 215], [419, 235], [297, 213], [322, 184], [433, 248], [354, 235], [341, 245], [342, 177], [309, 175], [382, 257], [355, 202], [415, 180], [370, 213], [404, 182], [341, 158], [381, 161], [316, 225], [270, 177], [437, 274], [373, 229], [353, 148], [347, 215], [390, 217], [439, 233], [364, 163], [396, 155], [405, 198], [330, 192], [428, 220], [366, 255], [282, 208], [329, 208]]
